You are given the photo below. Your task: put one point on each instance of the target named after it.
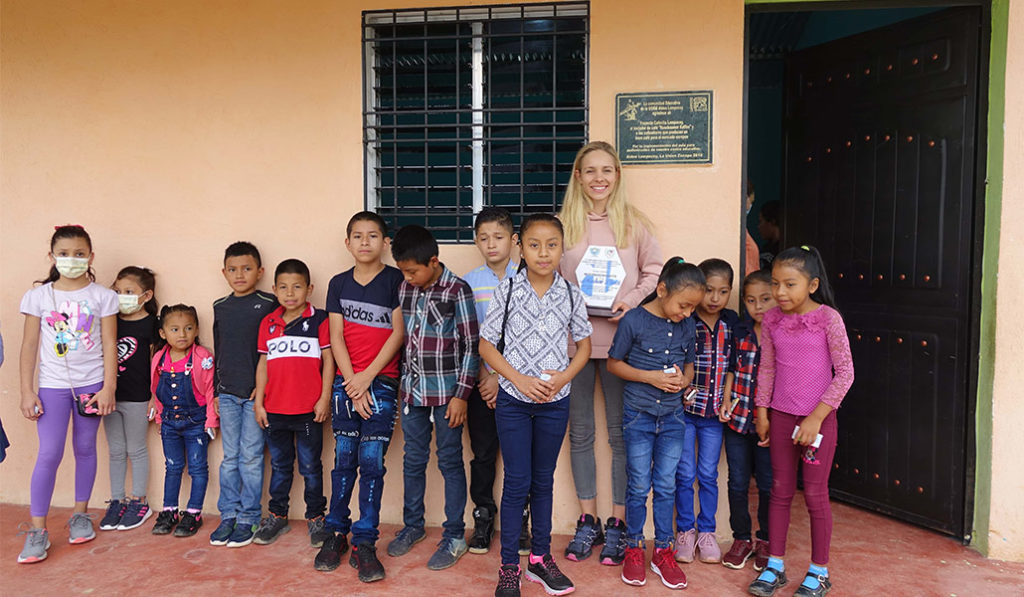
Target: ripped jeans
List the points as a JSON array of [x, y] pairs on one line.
[[184, 439]]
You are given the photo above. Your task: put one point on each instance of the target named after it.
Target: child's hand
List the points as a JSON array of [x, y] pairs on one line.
[[689, 395], [725, 411], [364, 405], [456, 413], [31, 406], [666, 382], [557, 379], [809, 429], [533, 388], [151, 413], [488, 387], [103, 401], [762, 426], [358, 384], [619, 309], [216, 405], [321, 409], [261, 416]]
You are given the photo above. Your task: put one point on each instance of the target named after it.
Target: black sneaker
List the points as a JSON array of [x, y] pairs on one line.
[[270, 529], [525, 541], [113, 516], [614, 550], [588, 534], [318, 532], [329, 556], [189, 525], [483, 530], [135, 514], [546, 573], [165, 522], [364, 559], [510, 581]]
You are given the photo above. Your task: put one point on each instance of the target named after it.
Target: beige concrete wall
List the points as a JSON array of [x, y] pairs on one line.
[[1006, 516], [172, 129]]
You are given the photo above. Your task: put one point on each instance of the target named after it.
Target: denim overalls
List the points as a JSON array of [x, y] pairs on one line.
[[183, 433]]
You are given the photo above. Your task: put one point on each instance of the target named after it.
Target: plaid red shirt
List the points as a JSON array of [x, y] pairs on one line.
[[746, 356], [711, 363]]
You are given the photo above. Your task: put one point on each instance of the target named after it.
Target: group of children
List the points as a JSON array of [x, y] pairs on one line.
[[489, 352]]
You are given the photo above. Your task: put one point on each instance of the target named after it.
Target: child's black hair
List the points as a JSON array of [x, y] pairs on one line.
[[763, 276], [537, 218], [498, 215], [292, 266], [716, 267], [414, 243], [60, 233], [241, 249], [171, 310], [807, 259], [146, 279], [677, 275], [367, 216]]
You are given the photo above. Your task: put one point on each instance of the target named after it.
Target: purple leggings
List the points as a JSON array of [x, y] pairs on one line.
[[53, 432], [785, 458]]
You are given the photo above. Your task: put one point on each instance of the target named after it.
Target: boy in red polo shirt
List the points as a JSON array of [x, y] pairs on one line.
[[293, 390]]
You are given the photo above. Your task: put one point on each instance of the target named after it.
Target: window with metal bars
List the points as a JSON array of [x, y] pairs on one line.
[[469, 107]]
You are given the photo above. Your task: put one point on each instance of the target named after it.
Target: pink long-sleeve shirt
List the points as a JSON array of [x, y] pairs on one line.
[[798, 356], [642, 261]]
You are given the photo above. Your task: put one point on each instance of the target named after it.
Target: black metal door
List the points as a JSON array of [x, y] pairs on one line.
[[880, 174]]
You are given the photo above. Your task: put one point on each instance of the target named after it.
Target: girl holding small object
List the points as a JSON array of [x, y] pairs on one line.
[[805, 371]]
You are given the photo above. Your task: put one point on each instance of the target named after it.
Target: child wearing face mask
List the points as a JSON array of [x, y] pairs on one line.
[[70, 332], [128, 425]]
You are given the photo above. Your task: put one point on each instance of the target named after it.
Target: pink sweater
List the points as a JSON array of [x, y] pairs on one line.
[[641, 260], [798, 356]]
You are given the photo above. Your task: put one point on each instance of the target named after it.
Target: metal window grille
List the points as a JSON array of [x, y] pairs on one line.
[[467, 107]]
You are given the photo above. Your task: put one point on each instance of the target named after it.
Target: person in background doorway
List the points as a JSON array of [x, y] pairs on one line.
[[769, 226], [751, 255]]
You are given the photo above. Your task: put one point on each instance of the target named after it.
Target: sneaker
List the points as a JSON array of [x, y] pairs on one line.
[[37, 541], [165, 522], [404, 540], [329, 556], [318, 533], [707, 547], [588, 534], [824, 586], [546, 573], [112, 518], [686, 542], [189, 525], [243, 534], [766, 588], [483, 530], [364, 559], [510, 581], [271, 528], [80, 528], [737, 556], [761, 555], [135, 514], [633, 572], [614, 542], [448, 552], [664, 565], [222, 534], [525, 540]]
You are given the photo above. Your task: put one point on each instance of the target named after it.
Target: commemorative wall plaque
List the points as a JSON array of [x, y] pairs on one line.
[[664, 128]]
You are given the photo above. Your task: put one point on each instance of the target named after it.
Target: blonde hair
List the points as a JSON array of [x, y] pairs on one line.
[[624, 219]]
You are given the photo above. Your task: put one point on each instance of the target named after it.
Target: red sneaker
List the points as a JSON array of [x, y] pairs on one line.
[[760, 555], [633, 572], [737, 556], [664, 565]]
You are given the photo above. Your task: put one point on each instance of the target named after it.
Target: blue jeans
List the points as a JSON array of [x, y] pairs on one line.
[[744, 457], [702, 448], [241, 471], [654, 445], [417, 428], [531, 435], [288, 436], [185, 440], [360, 445]]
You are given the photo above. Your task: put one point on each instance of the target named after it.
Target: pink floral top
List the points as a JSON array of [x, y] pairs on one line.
[[805, 359]]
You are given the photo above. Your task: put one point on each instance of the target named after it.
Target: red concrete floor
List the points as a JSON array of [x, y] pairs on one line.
[[871, 555]]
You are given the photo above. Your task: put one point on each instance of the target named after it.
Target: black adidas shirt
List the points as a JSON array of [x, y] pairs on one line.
[[134, 344], [236, 324]]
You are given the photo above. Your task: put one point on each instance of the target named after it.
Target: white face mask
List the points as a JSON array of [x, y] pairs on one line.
[[128, 303], [72, 267]]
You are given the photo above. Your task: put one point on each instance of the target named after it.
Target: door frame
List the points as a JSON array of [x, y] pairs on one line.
[[985, 245]]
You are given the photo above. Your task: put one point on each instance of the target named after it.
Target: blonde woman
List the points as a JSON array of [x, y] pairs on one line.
[[611, 253]]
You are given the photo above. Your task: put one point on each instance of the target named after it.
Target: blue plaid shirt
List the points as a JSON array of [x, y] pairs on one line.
[[714, 346]]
